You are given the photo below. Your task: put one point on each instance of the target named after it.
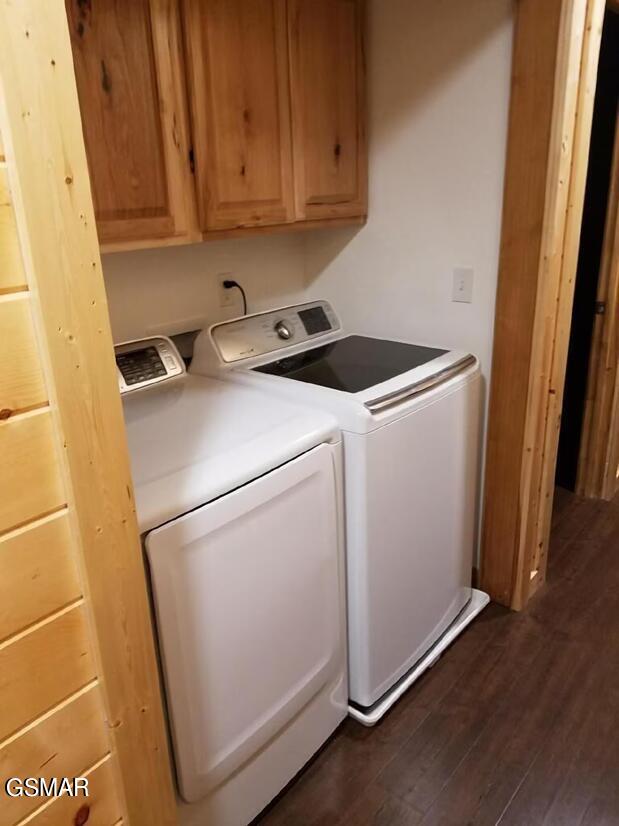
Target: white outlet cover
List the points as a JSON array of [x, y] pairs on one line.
[[227, 298], [463, 285]]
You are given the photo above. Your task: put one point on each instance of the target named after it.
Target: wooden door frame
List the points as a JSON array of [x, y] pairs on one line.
[[599, 450], [50, 187], [556, 52]]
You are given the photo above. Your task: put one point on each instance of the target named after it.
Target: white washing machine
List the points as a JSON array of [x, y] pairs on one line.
[[239, 501], [411, 419]]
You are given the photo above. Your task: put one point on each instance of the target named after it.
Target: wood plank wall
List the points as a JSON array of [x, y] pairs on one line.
[[52, 720], [79, 684]]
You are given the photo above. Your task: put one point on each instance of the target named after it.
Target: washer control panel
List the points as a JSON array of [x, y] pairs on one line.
[[262, 334], [146, 362]]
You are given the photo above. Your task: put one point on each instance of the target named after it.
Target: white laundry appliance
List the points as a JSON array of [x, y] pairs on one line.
[[411, 418], [239, 502]]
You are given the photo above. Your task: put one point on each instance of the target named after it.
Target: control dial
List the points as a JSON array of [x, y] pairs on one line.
[[284, 330]]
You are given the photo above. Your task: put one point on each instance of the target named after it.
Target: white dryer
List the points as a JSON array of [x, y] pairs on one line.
[[410, 417], [239, 503]]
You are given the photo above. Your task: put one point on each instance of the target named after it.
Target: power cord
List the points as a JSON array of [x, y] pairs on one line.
[[229, 285]]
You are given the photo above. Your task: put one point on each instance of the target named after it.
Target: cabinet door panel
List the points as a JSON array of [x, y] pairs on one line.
[[327, 88], [129, 76], [241, 111]]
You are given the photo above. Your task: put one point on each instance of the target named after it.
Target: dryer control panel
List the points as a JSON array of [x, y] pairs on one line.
[[146, 362]]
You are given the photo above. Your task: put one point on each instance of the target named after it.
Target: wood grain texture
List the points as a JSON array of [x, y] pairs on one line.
[[39, 573], [297, 226], [34, 486], [12, 275], [239, 88], [530, 122], [63, 744], [21, 378], [327, 69], [43, 667], [550, 306], [517, 723], [103, 806], [130, 81], [54, 211], [554, 68], [598, 465], [559, 300]]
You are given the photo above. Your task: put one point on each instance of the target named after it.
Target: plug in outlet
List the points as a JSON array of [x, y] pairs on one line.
[[463, 285], [227, 298]]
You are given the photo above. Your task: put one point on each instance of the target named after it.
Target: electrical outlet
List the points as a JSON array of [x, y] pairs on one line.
[[463, 285], [227, 298]]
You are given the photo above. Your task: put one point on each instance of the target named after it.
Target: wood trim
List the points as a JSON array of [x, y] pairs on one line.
[[556, 51], [583, 77], [599, 454], [40, 122], [298, 226], [243, 232]]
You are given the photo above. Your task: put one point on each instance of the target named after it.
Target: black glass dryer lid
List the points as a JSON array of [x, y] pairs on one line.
[[353, 363]]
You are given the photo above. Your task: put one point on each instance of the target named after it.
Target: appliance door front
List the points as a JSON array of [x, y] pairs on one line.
[[411, 489], [247, 597]]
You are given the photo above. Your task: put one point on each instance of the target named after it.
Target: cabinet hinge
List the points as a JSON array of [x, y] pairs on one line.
[[192, 165], [600, 307]]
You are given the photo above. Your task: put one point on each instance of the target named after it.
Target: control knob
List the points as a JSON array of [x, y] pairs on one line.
[[283, 330]]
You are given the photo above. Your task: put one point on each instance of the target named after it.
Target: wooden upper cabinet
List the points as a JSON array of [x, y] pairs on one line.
[[327, 69], [240, 103], [130, 79]]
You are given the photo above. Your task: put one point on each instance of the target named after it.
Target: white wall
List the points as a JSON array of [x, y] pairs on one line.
[[439, 80], [175, 289]]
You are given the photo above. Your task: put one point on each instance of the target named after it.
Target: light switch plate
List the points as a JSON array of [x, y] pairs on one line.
[[463, 285]]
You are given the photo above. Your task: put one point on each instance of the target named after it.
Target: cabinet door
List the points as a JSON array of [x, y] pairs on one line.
[[238, 66], [327, 89], [130, 80]]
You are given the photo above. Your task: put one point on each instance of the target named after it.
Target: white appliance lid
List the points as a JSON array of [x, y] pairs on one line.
[[194, 439]]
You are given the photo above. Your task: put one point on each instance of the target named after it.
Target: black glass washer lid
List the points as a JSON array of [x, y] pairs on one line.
[[353, 363]]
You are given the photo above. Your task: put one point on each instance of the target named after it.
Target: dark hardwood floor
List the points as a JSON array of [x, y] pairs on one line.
[[517, 724]]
